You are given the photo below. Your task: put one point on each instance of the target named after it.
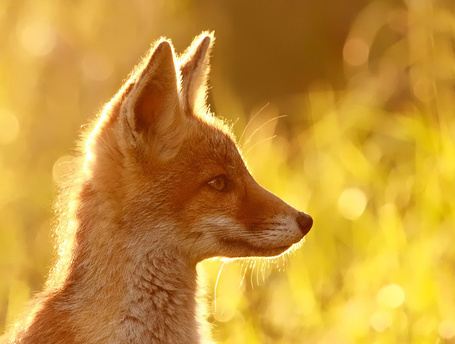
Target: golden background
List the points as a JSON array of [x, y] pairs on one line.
[[367, 147]]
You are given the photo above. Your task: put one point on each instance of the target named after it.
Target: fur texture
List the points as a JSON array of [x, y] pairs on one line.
[[161, 187]]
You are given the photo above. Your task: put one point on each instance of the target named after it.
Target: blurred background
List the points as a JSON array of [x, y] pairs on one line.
[[366, 146]]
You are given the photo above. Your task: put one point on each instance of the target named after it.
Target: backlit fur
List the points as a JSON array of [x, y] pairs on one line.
[[143, 210]]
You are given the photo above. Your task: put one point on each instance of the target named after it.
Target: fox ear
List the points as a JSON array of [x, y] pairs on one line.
[[194, 68], [153, 107]]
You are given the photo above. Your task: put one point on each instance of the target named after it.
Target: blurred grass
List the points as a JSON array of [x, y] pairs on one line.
[[374, 164]]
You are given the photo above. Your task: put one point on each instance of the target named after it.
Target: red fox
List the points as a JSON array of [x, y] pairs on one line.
[[161, 187]]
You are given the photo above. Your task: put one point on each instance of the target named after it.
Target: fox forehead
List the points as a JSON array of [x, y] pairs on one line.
[[213, 144]]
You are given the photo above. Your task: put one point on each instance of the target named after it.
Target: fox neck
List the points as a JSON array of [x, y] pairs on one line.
[[160, 301], [126, 289]]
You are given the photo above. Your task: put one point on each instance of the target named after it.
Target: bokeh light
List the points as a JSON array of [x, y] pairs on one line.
[[352, 203], [36, 36], [391, 296], [446, 329], [356, 51]]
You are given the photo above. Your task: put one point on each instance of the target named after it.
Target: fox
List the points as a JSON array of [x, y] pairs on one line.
[[161, 185]]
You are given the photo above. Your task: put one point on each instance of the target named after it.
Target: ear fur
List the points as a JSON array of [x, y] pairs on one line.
[[194, 68], [153, 109]]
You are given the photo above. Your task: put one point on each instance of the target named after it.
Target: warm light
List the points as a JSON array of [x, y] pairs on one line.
[[89, 156], [96, 67], [381, 320], [391, 296], [36, 37], [88, 144], [9, 127], [352, 203], [355, 52], [446, 329], [423, 89], [62, 168]]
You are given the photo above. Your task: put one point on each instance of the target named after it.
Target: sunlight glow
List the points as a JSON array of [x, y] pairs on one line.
[[391, 296], [355, 52], [37, 37], [446, 329], [367, 148], [381, 320], [96, 67], [9, 127], [352, 203], [89, 156], [62, 168]]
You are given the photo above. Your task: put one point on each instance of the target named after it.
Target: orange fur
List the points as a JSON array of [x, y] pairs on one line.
[[161, 187]]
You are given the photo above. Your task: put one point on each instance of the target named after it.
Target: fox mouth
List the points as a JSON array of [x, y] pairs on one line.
[[251, 250]]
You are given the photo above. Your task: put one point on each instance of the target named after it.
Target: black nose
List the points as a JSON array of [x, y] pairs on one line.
[[305, 222]]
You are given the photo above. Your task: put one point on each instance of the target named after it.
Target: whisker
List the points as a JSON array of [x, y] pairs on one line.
[[259, 269], [261, 141], [251, 120], [251, 273], [262, 126], [216, 283], [244, 268]]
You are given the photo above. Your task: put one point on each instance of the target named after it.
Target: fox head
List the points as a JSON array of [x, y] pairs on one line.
[[173, 171]]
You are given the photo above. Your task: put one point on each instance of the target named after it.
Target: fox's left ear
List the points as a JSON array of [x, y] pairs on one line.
[[194, 69]]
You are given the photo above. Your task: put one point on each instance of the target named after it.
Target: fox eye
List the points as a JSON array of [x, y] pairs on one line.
[[218, 183]]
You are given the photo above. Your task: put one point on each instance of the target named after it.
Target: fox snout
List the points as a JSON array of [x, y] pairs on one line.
[[305, 222]]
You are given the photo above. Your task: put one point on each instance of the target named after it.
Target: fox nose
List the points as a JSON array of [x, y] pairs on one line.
[[305, 222]]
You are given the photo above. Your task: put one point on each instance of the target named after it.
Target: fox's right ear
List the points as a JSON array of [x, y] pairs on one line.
[[152, 106]]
